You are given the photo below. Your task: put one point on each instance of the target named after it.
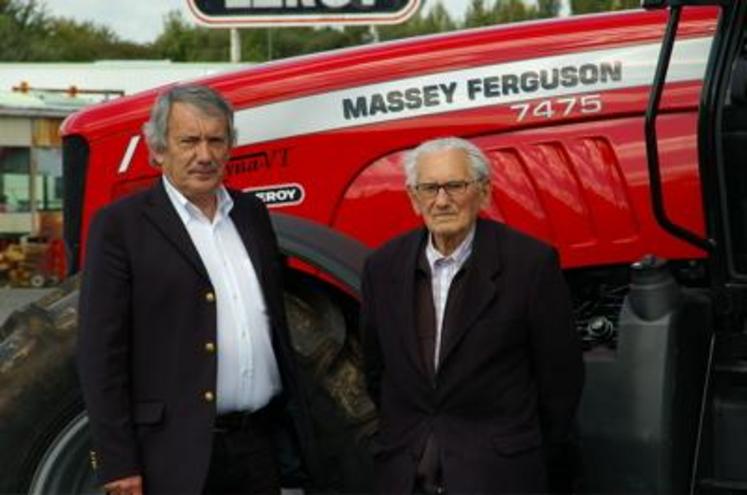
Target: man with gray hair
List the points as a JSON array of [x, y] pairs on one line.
[[470, 349], [184, 354]]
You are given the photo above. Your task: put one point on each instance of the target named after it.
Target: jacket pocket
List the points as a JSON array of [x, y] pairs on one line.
[[380, 451], [148, 413], [516, 443]]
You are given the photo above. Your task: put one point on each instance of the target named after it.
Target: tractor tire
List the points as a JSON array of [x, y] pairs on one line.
[[44, 428], [44, 448]]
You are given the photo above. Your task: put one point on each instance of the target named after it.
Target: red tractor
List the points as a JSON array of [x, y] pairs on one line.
[[618, 160]]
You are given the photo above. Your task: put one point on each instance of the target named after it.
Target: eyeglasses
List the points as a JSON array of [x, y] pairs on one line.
[[453, 188]]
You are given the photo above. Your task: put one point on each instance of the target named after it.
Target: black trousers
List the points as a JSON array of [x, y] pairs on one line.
[[429, 473], [243, 461]]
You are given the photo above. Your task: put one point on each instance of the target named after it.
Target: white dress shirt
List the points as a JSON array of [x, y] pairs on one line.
[[248, 375], [443, 271]]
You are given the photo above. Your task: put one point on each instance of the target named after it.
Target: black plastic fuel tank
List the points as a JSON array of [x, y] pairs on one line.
[[639, 411]]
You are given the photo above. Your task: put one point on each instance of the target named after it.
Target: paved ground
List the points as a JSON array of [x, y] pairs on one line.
[[12, 299]]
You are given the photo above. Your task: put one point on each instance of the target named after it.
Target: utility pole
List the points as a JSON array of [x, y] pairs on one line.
[[374, 33], [235, 46], [566, 9]]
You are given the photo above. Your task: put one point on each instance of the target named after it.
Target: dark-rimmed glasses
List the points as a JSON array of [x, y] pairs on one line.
[[452, 188]]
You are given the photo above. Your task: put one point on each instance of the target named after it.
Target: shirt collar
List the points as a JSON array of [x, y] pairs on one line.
[[187, 210], [458, 256]]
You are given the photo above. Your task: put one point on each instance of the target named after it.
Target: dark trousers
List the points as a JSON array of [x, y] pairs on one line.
[[429, 474], [243, 456]]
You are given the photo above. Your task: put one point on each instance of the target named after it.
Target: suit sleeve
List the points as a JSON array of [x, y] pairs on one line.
[[559, 369], [556, 351], [373, 363], [104, 349]]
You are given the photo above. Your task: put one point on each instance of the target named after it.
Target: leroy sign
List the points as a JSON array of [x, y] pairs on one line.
[[258, 13]]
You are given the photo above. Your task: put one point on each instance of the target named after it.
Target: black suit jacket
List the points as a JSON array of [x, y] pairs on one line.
[[146, 318], [510, 372]]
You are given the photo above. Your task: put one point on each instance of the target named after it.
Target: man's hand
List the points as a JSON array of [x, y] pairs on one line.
[[132, 485]]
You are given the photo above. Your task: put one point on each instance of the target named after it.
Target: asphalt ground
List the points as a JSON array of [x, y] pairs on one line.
[[13, 299]]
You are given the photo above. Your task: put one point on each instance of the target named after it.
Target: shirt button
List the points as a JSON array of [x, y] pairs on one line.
[[210, 297], [210, 347], [209, 396]]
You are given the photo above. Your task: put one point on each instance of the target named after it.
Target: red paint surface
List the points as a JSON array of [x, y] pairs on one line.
[[579, 181]]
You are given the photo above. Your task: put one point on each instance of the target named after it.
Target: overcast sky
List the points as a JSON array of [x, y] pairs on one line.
[[141, 20]]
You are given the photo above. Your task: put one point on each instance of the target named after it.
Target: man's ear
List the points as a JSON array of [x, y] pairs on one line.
[[156, 158], [485, 197], [413, 200]]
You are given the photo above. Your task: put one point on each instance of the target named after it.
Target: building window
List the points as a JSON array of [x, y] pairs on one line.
[[15, 184], [48, 180]]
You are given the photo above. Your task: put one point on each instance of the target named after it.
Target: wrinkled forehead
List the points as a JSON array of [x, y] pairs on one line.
[[185, 115], [443, 164]]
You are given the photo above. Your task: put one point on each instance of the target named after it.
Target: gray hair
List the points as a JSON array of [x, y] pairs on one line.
[[206, 99], [477, 160]]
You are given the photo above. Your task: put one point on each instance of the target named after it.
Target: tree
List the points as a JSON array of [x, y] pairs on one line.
[[181, 42], [28, 33], [73, 41], [628, 4], [586, 6], [478, 14], [438, 20], [548, 8], [21, 23], [506, 11]]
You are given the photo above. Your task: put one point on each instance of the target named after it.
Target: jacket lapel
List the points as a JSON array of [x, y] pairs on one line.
[[402, 293], [480, 289], [159, 210], [242, 219]]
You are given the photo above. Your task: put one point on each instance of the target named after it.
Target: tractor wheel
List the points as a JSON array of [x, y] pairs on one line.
[[43, 426]]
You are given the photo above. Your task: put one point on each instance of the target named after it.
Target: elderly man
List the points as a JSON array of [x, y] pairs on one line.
[[471, 355], [184, 355]]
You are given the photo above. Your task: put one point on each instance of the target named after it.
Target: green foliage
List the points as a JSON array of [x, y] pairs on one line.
[[29, 34], [548, 8], [482, 13], [19, 22], [628, 4], [438, 20], [181, 42], [70, 40], [512, 11], [479, 14], [588, 6]]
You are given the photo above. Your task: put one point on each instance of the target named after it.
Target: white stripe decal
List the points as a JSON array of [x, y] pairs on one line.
[[463, 89], [127, 158]]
